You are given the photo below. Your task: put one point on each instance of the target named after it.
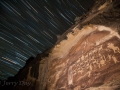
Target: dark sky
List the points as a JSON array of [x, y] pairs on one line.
[[28, 27]]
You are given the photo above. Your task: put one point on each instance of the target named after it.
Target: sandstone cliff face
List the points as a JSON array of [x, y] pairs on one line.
[[89, 59]]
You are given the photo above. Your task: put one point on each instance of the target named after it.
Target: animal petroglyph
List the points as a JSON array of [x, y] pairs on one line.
[[114, 59], [107, 49], [114, 48]]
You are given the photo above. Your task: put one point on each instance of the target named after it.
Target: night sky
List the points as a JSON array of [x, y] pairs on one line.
[[28, 27]]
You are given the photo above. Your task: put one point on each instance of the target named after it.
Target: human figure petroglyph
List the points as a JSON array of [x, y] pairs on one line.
[[87, 65], [104, 58], [100, 56], [89, 73], [90, 53], [82, 58], [99, 65], [100, 48], [87, 55], [90, 66], [93, 58], [75, 70], [78, 61], [109, 57], [115, 49], [81, 71], [95, 61]]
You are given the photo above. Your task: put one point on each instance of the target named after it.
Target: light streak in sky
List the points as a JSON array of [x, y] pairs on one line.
[[28, 27]]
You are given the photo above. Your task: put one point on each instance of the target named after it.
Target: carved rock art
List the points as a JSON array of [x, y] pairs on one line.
[[114, 48], [84, 65]]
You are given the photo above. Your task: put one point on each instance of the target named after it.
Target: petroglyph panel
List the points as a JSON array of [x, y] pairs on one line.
[[97, 56], [92, 56], [82, 58]]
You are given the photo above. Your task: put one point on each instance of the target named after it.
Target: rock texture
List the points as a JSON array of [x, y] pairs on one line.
[[88, 59]]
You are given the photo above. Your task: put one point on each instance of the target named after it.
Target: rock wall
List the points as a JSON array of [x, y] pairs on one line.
[[88, 59]]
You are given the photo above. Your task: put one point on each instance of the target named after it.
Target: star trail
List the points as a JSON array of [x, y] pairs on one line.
[[28, 27]]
